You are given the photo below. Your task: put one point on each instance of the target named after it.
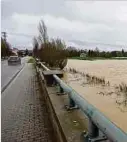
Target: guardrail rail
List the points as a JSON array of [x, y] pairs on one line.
[[98, 123]]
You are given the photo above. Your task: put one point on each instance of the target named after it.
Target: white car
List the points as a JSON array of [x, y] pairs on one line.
[[14, 60]]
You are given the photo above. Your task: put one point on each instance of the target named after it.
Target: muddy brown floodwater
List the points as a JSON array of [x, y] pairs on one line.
[[106, 97]]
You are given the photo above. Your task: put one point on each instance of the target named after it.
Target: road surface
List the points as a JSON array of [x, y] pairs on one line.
[[24, 113], [7, 72]]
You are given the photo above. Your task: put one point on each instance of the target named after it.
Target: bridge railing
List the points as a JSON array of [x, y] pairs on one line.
[[97, 121]]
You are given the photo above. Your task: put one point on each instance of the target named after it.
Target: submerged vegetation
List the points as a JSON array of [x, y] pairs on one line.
[[120, 90], [90, 79]]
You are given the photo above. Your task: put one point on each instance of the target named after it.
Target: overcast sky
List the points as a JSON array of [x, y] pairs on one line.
[[79, 23]]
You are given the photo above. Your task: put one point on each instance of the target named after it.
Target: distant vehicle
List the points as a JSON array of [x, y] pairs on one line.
[[14, 60]]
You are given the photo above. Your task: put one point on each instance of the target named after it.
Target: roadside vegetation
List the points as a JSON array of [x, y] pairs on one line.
[[50, 51], [31, 60], [5, 49], [55, 53]]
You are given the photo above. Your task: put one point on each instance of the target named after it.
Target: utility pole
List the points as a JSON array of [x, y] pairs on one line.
[[4, 34]]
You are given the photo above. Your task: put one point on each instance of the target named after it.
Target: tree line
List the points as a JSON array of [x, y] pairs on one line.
[[55, 53], [72, 52], [5, 48]]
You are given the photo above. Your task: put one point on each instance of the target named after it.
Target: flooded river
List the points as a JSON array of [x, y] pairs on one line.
[[103, 84]]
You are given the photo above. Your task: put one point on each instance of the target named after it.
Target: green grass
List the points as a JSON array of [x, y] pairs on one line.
[[97, 58], [81, 58], [31, 60]]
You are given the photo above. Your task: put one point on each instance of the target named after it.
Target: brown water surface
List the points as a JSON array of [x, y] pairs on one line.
[[114, 71]]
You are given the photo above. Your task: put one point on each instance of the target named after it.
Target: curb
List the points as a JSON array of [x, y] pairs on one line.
[[3, 89]]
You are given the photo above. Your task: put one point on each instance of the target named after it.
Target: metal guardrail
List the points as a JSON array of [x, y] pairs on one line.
[[97, 121]]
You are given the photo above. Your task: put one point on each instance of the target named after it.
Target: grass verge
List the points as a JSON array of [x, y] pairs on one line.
[[31, 60]]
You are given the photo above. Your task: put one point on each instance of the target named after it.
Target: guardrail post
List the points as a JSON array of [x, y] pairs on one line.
[[93, 133], [39, 64], [72, 105], [54, 83], [61, 91], [93, 129]]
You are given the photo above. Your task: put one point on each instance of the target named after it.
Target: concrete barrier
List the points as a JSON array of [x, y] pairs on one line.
[[59, 134]]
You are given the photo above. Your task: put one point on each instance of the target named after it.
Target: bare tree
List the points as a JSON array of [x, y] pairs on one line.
[[43, 36], [35, 47], [50, 51]]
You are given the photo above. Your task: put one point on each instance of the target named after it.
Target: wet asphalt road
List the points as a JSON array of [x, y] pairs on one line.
[[24, 114], [7, 72]]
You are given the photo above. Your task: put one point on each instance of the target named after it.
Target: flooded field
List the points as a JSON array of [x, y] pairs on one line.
[[102, 83]]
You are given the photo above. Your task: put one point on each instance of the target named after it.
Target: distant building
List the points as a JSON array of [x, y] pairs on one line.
[[83, 55], [23, 52], [30, 52], [15, 51]]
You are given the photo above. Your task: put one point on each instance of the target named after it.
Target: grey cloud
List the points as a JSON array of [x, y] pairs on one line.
[[37, 7], [103, 22]]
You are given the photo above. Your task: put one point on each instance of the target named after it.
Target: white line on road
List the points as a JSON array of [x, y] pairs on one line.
[[13, 79]]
